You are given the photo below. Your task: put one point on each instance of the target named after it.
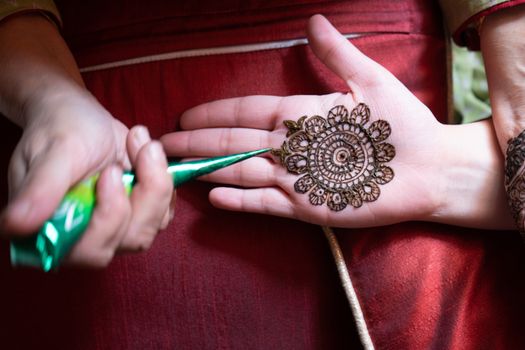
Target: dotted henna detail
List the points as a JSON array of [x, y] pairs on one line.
[[341, 159], [515, 179]]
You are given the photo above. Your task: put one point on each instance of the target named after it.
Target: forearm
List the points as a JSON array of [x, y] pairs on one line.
[[503, 49], [504, 53], [35, 64], [469, 169]]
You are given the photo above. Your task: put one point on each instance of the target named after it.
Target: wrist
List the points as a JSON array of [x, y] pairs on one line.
[[471, 180], [52, 99], [34, 61], [503, 51]]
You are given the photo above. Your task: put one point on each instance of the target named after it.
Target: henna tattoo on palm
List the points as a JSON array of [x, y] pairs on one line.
[[515, 179], [342, 160]]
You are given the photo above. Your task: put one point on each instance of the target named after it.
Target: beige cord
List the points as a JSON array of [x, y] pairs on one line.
[[362, 329]]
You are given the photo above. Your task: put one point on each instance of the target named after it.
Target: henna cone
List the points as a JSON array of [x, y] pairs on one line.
[[55, 239]]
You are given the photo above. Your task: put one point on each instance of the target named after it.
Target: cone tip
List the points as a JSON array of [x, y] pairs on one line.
[[260, 151]]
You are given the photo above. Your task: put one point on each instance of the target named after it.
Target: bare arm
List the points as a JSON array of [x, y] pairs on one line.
[[31, 44], [503, 50]]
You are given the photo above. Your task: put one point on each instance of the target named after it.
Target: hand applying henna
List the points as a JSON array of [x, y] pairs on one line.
[[68, 136]]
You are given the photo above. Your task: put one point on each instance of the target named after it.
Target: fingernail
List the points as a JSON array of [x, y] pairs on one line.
[[141, 136], [155, 151]]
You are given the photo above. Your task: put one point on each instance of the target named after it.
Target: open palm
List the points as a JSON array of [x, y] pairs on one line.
[[253, 122]]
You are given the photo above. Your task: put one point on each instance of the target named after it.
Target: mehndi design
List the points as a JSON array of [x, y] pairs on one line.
[[515, 179], [342, 160]]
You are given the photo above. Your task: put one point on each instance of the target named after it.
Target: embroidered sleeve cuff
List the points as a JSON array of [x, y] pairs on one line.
[[463, 17], [45, 7]]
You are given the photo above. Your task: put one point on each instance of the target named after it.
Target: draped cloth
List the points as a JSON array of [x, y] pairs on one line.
[[223, 280]]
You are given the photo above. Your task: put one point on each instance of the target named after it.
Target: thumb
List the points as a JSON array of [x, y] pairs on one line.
[[50, 175], [340, 56]]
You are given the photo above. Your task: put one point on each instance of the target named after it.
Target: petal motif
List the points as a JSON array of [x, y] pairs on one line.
[[336, 201], [360, 114], [315, 125], [379, 130], [299, 142], [296, 164], [385, 152], [353, 198], [304, 184], [337, 115], [383, 175], [369, 191], [317, 196]]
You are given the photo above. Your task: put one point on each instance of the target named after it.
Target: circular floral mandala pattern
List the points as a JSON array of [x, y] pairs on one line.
[[341, 160]]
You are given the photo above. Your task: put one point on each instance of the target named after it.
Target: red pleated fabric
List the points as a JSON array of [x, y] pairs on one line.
[[222, 280]]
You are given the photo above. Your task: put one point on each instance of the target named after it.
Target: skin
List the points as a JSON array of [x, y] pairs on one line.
[[69, 136], [448, 174], [503, 51]]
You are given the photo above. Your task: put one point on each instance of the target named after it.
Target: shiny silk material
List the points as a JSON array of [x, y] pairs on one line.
[[223, 280]]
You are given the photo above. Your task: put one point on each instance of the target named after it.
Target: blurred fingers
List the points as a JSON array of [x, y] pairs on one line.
[[150, 198], [108, 224], [32, 202], [138, 136], [170, 212]]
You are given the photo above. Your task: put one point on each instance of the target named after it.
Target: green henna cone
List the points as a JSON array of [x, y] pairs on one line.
[[54, 240]]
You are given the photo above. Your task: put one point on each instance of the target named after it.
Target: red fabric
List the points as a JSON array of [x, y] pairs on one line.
[[129, 30], [429, 286], [216, 279]]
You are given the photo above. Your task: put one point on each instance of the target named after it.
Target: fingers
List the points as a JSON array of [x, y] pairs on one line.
[[150, 199], [108, 224], [255, 112], [338, 54], [258, 112], [272, 201], [138, 136], [170, 213], [253, 172], [137, 139], [122, 223], [49, 177], [218, 141], [17, 172]]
